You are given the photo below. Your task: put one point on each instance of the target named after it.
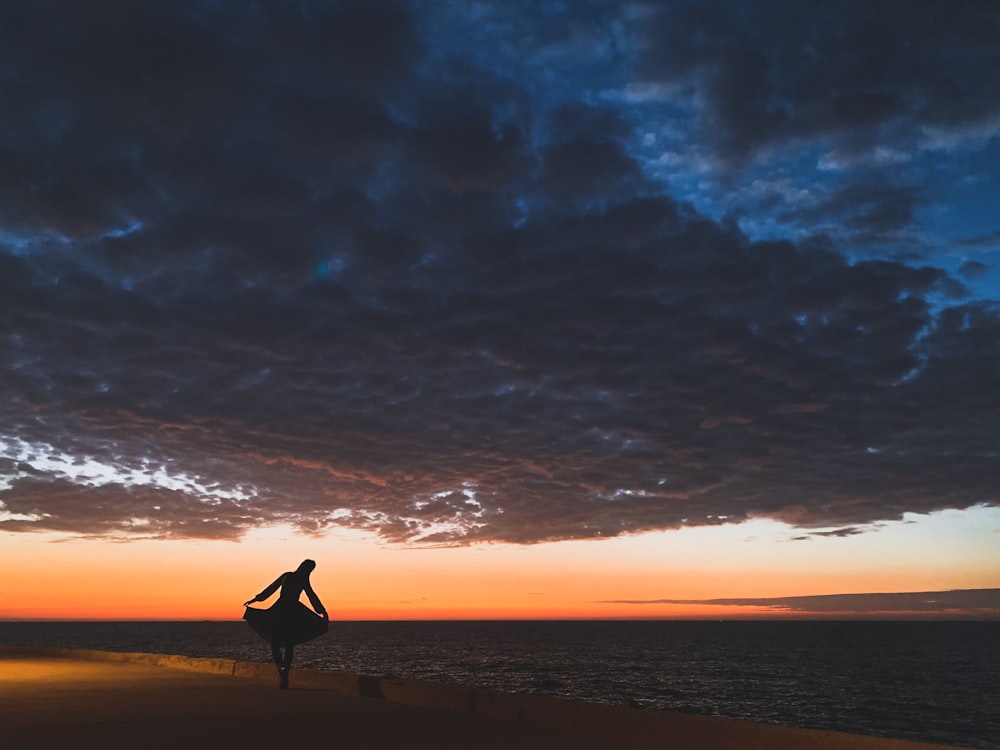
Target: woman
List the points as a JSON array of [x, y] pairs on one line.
[[288, 622]]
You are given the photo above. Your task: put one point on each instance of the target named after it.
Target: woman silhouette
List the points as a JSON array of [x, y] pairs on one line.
[[288, 622]]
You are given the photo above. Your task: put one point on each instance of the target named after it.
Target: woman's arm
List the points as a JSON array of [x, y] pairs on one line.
[[266, 593], [313, 599]]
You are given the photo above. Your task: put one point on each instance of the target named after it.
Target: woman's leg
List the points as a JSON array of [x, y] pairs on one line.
[[282, 661]]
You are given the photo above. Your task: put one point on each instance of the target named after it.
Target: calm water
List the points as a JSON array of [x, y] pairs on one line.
[[936, 682]]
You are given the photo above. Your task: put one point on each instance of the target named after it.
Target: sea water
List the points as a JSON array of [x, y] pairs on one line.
[[928, 681]]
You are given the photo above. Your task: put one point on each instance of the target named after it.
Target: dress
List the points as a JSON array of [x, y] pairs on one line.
[[288, 621]]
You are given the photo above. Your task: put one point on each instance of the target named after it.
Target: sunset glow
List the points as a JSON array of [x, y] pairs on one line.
[[358, 578]]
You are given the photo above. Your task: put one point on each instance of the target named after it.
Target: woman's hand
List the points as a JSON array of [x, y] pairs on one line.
[[248, 603]]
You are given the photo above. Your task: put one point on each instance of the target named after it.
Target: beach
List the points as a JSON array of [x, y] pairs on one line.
[[68, 698]]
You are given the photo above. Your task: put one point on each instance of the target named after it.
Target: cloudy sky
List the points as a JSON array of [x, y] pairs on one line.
[[456, 273]]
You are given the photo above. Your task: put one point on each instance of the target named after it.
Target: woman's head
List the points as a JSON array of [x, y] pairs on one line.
[[306, 567]]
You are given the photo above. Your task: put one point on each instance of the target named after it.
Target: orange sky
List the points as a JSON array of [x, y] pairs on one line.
[[52, 576]]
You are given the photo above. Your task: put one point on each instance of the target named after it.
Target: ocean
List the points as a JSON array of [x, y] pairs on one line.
[[927, 681]]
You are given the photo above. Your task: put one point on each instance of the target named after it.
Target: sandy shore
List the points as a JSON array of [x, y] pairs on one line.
[[59, 698]]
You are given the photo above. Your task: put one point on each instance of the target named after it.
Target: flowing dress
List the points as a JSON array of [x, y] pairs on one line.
[[287, 622]]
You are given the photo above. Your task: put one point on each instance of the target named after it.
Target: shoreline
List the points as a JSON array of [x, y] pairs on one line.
[[623, 725]]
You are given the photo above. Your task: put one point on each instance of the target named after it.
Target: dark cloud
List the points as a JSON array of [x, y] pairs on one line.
[[858, 118], [987, 241], [328, 267], [863, 213], [973, 269], [859, 75], [962, 602], [839, 533]]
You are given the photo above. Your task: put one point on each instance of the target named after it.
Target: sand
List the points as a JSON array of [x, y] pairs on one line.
[[58, 698]]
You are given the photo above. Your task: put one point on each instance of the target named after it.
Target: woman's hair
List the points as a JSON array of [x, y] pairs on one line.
[[306, 566]]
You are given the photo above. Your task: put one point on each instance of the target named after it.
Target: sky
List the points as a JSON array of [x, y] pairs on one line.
[[500, 309]]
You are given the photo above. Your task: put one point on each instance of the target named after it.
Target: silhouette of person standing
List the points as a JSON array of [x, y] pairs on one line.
[[288, 622]]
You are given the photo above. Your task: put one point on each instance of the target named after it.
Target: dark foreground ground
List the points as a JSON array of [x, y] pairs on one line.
[[65, 700]]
